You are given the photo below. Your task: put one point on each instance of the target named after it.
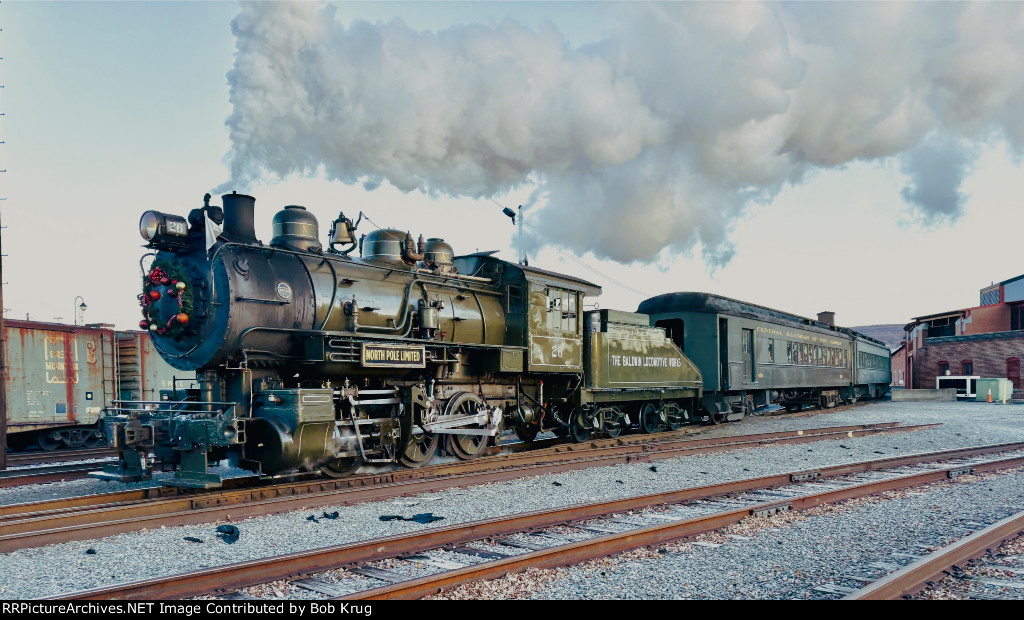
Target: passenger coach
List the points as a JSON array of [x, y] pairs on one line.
[[750, 356]]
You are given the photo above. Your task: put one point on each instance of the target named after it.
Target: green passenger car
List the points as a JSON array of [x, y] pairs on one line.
[[751, 356]]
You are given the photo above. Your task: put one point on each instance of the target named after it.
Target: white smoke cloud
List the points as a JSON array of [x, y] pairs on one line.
[[936, 167], [661, 134]]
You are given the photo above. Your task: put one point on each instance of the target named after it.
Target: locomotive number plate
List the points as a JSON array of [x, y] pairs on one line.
[[393, 356]]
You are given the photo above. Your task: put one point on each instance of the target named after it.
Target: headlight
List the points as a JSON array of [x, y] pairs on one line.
[[156, 227], [149, 225]]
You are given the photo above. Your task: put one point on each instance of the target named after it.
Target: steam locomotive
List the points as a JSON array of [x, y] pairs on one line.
[[310, 358]]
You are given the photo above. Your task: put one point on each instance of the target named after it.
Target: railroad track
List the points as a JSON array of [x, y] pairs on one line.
[[48, 522], [74, 471], [562, 536], [40, 475], [20, 459], [946, 561]]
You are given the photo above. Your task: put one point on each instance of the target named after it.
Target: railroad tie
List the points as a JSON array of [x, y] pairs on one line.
[[237, 596], [858, 578], [424, 559], [317, 585], [830, 588], [596, 529], [508, 542], [1000, 583], [378, 573], [984, 596], [480, 553]]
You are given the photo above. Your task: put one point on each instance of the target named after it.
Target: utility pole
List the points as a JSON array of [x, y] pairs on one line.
[[3, 361], [512, 214], [522, 248], [3, 344]]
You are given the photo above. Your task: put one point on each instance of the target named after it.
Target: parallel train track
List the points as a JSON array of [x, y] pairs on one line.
[[925, 572], [675, 515], [20, 459], [48, 522]]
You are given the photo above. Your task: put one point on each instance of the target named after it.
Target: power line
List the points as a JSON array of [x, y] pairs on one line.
[[579, 262]]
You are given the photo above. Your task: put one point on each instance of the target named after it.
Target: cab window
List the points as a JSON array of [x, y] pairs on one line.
[[562, 309]]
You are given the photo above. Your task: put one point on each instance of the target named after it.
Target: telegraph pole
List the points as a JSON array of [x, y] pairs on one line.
[[3, 362], [3, 343]]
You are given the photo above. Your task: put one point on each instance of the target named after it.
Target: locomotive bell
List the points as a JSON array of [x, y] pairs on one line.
[[340, 233], [296, 229]]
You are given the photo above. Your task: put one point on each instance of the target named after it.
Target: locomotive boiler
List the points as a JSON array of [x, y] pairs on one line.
[[311, 358]]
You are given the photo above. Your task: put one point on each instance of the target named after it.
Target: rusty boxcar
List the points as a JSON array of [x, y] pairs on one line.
[[60, 377]]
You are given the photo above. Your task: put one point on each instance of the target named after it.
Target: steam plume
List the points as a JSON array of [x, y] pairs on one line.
[[661, 134]]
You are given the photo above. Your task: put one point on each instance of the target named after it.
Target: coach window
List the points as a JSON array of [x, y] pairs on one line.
[[968, 367]]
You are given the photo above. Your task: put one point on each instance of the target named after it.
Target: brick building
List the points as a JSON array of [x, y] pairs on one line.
[[986, 340], [899, 366]]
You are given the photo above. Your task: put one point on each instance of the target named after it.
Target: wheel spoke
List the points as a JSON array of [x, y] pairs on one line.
[[466, 446]]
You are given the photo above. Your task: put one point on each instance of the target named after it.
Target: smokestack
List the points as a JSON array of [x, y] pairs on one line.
[[239, 217], [829, 318]]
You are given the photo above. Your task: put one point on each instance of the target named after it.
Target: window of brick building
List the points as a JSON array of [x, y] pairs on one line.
[[968, 367], [1013, 371], [1017, 317], [943, 368]]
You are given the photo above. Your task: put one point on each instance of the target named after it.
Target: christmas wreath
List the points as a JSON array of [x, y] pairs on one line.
[[166, 300]]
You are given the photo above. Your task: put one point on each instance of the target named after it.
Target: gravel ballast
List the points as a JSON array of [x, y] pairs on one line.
[[129, 557], [800, 559]]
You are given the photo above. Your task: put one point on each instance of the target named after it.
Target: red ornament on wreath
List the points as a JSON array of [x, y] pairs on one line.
[[165, 284]]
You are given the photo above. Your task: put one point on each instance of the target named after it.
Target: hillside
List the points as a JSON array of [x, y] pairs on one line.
[[891, 335]]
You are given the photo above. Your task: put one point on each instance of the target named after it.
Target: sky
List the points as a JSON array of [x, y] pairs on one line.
[[859, 158]]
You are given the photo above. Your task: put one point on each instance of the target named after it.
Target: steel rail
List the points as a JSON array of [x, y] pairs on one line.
[[217, 497], [227, 578], [106, 499], [19, 459], [19, 511], [40, 475], [602, 546], [27, 530], [913, 578]]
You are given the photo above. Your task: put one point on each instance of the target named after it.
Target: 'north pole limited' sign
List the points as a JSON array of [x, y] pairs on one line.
[[393, 356]]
